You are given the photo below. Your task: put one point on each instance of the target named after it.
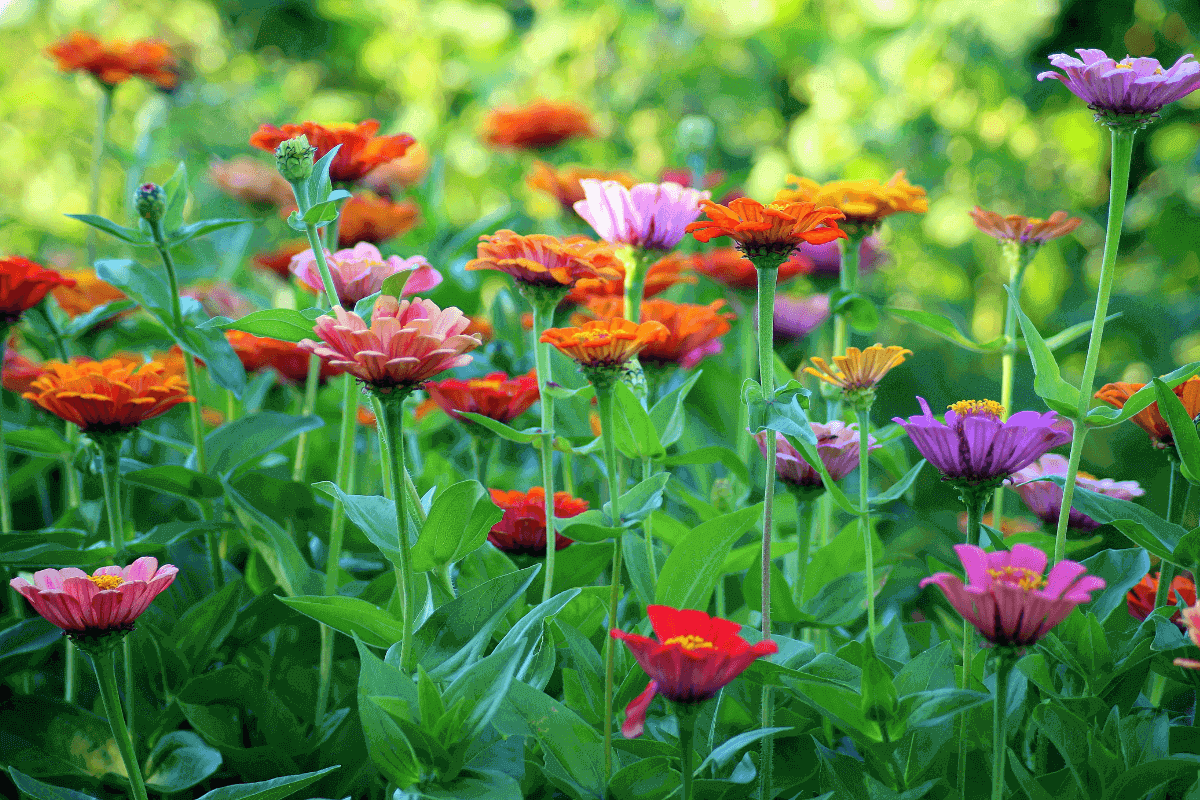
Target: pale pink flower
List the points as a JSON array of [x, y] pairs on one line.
[[1191, 622], [1133, 86], [650, 215], [1044, 498], [837, 445], [108, 600], [360, 271]]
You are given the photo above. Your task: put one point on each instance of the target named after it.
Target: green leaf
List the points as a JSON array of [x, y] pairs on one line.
[[637, 503], [711, 455], [928, 709], [112, 229], [567, 742], [943, 327], [691, 571], [459, 521], [1183, 430], [1143, 527], [44, 442], [388, 747], [84, 322], [321, 213], [238, 444], [502, 430], [201, 228], [177, 194], [1121, 571], [285, 324], [722, 753], [1143, 779], [858, 309], [179, 761], [1104, 416], [351, 616], [27, 636], [1068, 335], [374, 515], [176, 480], [44, 791], [668, 413], [1059, 395], [318, 186], [645, 779], [210, 346], [635, 435], [900, 487], [275, 789], [590, 526]]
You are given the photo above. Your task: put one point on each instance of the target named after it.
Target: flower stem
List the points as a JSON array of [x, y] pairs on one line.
[[767, 276], [848, 283], [975, 502], [1013, 256], [647, 526], [1122, 154], [605, 402], [635, 283], [543, 315], [110, 480], [103, 111], [1004, 665], [1166, 572], [385, 467], [311, 381], [864, 521], [746, 333], [391, 429], [687, 731], [314, 241], [106, 676]]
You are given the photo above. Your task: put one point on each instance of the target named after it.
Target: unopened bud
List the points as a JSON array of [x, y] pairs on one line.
[[695, 133], [151, 202], [294, 159]]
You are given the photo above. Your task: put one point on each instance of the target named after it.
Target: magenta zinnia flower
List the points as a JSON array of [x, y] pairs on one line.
[[1133, 87], [837, 445], [108, 600], [650, 215], [360, 271], [973, 447], [409, 341], [1008, 598], [796, 317], [1044, 498]]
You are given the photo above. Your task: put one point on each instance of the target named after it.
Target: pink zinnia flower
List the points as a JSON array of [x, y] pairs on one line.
[[1133, 86], [360, 271], [650, 215], [108, 600], [1044, 498], [408, 341], [1008, 597], [837, 445], [1191, 623], [796, 317]]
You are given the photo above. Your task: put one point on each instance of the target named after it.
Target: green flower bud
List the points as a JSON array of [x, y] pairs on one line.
[[294, 159], [695, 133], [151, 202]]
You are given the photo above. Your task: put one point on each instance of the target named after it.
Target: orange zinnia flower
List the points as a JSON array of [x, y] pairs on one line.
[[864, 202], [859, 369], [600, 345], [1140, 599], [366, 417], [1024, 230], [24, 284], [251, 181], [542, 123], [481, 325], [693, 331], [258, 353], [727, 265], [496, 395], [1150, 419], [109, 396], [19, 372], [370, 218], [389, 179], [771, 230], [87, 292], [522, 529], [362, 151], [562, 183], [543, 260], [115, 62], [279, 261], [662, 275]]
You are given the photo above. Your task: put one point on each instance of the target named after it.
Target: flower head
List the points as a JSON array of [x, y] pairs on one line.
[[259, 353], [251, 181], [23, 284], [370, 218], [279, 260], [19, 372], [662, 275], [1191, 626], [390, 178], [116, 62], [864, 202], [693, 331], [361, 151], [728, 266], [543, 260], [692, 657], [1150, 419], [1132, 87], [84, 293], [407, 343], [837, 445], [857, 372], [360, 271], [974, 447], [1024, 230], [797, 317], [1140, 599], [1009, 598], [599, 345], [542, 123], [522, 529], [771, 230], [108, 396], [562, 183], [650, 215], [495, 395], [1044, 498]]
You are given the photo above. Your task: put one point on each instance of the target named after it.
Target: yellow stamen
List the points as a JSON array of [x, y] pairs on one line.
[[106, 582], [977, 408], [587, 337], [1021, 577], [480, 383], [690, 642]]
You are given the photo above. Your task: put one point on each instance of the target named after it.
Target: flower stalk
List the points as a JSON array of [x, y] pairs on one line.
[[635, 283], [685, 715], [1005, 660], [975, 501], [106, 676], [110, 479], [863, 412], [604, 400], [1166, 568], [392, 431], [1015, 259], [544, 301]]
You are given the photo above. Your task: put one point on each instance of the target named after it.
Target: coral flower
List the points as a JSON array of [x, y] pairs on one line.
[[1140, 599], [837, 445], [859, 369], [693, 657], [1044, 498], [797, 317], [391, 178], [1191, 626], [543, 260], [116, 62], [974, 447], [865, 202], [540, 124], [1135, 87], [361, 151], [522, 529], [774, 229], [600, 345], [652, 216], [251, 181], [360, 271], [109, 396], [1009, 598], [693, 331], [23, 284], [86, 293], [1150, 419], [495, 395], [19, 372], [1024, 230], [258, 353], [279, 261], [367, 217], [727, 265], [109, 600], [407, 343], [562, 183], [662, 275]]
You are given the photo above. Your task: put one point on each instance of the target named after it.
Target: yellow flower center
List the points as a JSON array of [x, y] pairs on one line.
[[977, 408], [106, 582], [690, 642], [1021, 577], [480, 383], [588, 337]]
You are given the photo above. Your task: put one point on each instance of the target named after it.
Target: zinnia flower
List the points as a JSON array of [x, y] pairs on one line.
[[109, 396], [85, 293], [407, 343], [826, 259], [562, 183], [24, 284], [864, 202], [19, 372], [251, 181], [662, 275], [279, 261], [727, 265], [774, 229], [1191, 626], [258, 353], [116, 62], [1150, 419], [390, 178], [1044, 498], [522, 529], [360, 271], [694, 656], [496, 395], [361, 152], [652, 216], [837, 445], [859, 370], [974, 447], [1140, 599], [543, 260], [1024, 230], [542, 123], [796, 317], [1008, 598], [602, 345], [693, 331], [1134, 87], [367, 217]]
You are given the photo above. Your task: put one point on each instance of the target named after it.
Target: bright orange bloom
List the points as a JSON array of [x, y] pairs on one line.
[[773, 229], [662, 275], [1150, 419], [251, 180], [727, 265], [366, 417], [522, 529], [542, 123], [693, 331], [1025, 230], [19, 372], [362, 151], [279, 261], [562, 183], [108, 396], [864, 202], [24, 284], [859, 369], [1140, 599], [496, 395], [258, 353], [367, 217], [543, 260], [391, 178], [115, 62], [87, 292], [481, 325], [605, 344], [1008, 525]]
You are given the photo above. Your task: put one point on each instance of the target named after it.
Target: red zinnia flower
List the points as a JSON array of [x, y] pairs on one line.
[[258, 353], [522, 530], [115, 62], [540, 124], [362, 151], [695, 655], [23, 284], [495, 395], [1140, 599], [279, 261]]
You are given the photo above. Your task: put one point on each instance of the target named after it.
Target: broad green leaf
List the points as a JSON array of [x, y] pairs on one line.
[[179, 761], [590, 526], [935, 707], [459, 521], [274, 789], [374, 515], [1104, 416], [285, 324], [566, 740], [691, 571], [84, 322], [1121, 571], [943, 327], [634, 435], [27, 636], [502, 430], [201, 228], [1183, 430], [638, 502], [318, 187], [644, 779], [175, 480], [44, 791], [388, 747], [37, 442], [1068, 335], [1143, 527], [1059, 395], [176, 191], [236, 445], [668, 413], [722, 754], [351, 616], [783, 607], [858, 309], [321, 213], [900, 487], [112, 229]]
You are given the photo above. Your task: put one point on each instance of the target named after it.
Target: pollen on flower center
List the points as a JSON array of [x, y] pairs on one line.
[[106, 582], [977, 408], [1021, 577], [690, 642], [481, 383], [589, 337]]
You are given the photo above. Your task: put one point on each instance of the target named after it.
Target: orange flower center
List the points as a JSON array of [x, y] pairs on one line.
[[106, 582], [1021, 577], [977, 408], [690, 642], [481, 383]]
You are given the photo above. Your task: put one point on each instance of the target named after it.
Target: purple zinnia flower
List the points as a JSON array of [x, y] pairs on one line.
[[1134, 86], [1044, 498], [837, 445], [796, 317], [1008, 598], [973, 447], [827, 258], [650, 215]]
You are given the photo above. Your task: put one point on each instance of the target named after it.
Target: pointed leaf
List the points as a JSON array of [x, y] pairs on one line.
[[1183, 430], [459, 521], [1059, 395], [1104, 416], [112, 229], [943, 327], [275, 789], [690, 573]]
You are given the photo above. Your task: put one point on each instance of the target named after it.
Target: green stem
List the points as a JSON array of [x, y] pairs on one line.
[[311, 381], [975, 502], [314, 241], [647, 526], [1013, 256], [6, 524], [478, 458], [385, 465], [391, 429], [687, 731], [864, 505], [1122, 154], [70, 476], [607, 430], [635, 283], [1166, 572], [1004, 665], [848, 283], [543, 315], [106, 676], [110, 480], [805, 528], [104, 110], [746, 334], [71, 669]]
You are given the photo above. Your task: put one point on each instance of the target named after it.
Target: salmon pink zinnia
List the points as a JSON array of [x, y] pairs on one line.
[[360, 271]]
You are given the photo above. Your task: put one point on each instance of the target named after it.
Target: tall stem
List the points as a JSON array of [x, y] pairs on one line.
[[687, 731], [103, 110], [767, 276], [864, 522], [1004, 665], [106, 676], [647, 526], [311, 380], [1166, 572], [391, 429], [1122, 154], [607, 430], [110, 480], [1013, 257], [975, 502], [746, 334], [314, 241], [635, 283], [848, 283], [805, 527], [543, 314]]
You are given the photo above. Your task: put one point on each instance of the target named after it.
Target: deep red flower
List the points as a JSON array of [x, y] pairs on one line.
[[522, 530], [1140, 599], [695, 655], [496, 395], [23, 284], [362, 151]]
